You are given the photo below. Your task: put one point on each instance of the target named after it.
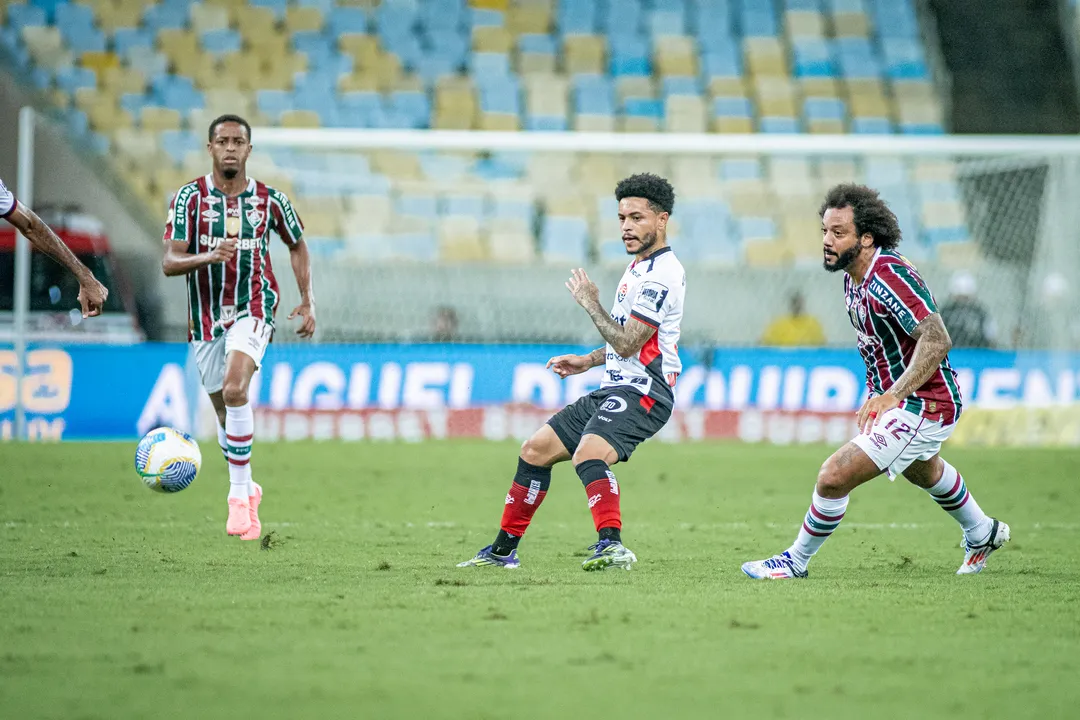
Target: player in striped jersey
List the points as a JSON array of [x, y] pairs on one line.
[[914, 400], [218, 234]]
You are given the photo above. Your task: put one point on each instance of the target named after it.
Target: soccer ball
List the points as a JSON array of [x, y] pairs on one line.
[[167, 460]]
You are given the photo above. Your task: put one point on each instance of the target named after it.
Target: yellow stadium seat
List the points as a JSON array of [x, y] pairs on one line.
[[749, 198], [158, 118], [122, 80], [254, 24], [778, 107], [934, 171], [197, 67], [943, 214], [637, 124], [677, 65], [299, 119], [685, 113], [363, 48], [298, 19], [825, 127], [732, 125], [322, 217], [963, 255], [245, 68], [221, 101], [767, 254], [598, 172], [765, 56], [368, 211], [639, 86], [584, 54], [548, 169], [177, 44], [535, 63], [688, 170], [546, 95], [111, 18], [99, 61], [460, 241], [510, 246], [490, 4], [397, 165], [106, 117], [388, 72], [358, 82], [804, 24], [208, 17], [594, 123], [531, 18], [492, 39], [851, 25], [560, 204], [676, 55], [407, 83], [834, 172], [819, 87], [499, 121]]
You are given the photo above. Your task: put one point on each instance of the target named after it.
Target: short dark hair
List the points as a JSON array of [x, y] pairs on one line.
[[224, 119], [655, 189], [871, 213]]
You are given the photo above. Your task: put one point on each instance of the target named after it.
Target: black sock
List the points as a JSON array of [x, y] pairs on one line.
[[611, 533], [505, 543]]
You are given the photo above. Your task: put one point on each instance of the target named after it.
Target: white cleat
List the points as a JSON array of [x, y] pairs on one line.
[[778, 567], [975, 555]]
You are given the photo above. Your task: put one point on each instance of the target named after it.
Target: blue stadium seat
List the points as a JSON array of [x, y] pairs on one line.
[[643, 107], [49, 6], [546, 123], [813, 58], [782, 125], [177, 144], [416, 246], [326, 6], [450, 44], [871, 126], [273, 102], [20, 16], [593, 95], [345, 20], [886, 172], [824, 109], [422, 206], [485, 65], [905, 59], [739, 169], [758, 20], [921, 129], [846, 6], [503, 206], [70, 17], [622, 17], [666, 22], [629, 55], [803, 5], [415, 106], [482, 17], [219, 42], [577, 17], [721, 62], [536, 43], [681, 86], [500, 95], [177, 92], [732, 107], [564, 238], [407, 47], [468, 205], [165, 17], [935, 236], [124, 39], [752, 228], [71, 79], [436, 14], [133, 103]]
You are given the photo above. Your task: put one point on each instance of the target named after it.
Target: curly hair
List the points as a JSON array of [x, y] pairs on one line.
[[871, 213], [655, 189], [224, 119]]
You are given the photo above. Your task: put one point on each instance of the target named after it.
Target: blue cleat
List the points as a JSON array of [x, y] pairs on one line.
[[486, 558], [609, 553]]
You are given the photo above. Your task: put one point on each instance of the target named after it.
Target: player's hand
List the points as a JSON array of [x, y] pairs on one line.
[[873, 409], [583, 289], [92, 296], [223, 252], [567, 365], [307, 312]]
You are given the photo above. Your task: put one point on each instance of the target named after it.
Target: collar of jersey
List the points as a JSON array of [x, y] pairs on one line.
[[214, 189], [870, 269], [658, 253]]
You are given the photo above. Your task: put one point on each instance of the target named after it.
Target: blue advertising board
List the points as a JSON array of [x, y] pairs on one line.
[[91, 392]]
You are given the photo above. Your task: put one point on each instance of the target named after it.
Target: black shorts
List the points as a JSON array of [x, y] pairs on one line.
[[621, 416]]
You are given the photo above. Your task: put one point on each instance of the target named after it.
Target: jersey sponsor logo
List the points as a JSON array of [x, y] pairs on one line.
[[211, 200], [254, 201], [210, 215], [880, 291], [211, 242], [651, 296], [613, 404], [621, 295], [286, 208]]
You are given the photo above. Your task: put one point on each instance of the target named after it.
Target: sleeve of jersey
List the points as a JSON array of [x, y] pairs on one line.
[[650, 304], [179, 224], [906, 298], [287, 221], [8, 203]]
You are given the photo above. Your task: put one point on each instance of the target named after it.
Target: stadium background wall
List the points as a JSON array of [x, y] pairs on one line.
[[421, 391]]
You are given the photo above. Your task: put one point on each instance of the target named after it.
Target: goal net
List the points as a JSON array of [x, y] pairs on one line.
[[466, 238]]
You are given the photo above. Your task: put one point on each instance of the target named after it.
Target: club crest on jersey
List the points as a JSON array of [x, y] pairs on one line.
[[621, 295], [254, 216]]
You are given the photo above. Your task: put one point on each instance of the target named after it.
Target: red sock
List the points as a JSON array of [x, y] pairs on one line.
[[526, 493], [602, 489]]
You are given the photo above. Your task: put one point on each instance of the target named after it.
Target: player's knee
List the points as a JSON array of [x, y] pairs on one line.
[[831, 481], [535, 452], [592, 448], [234, 393]]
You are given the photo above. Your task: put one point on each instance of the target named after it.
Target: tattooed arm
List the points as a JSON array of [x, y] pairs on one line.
[[932, 344], [626, 340]]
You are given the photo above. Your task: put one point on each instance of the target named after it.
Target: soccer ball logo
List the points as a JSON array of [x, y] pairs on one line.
[[167, 460]]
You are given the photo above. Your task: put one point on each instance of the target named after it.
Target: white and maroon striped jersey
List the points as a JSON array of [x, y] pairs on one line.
[[651, 291], [885, 309], [204, 217], [7, 201]]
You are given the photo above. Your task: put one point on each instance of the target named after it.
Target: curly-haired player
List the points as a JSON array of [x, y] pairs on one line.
[[636, 396], [914, 399]]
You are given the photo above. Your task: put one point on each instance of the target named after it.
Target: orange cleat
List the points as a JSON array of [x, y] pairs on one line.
[[255, 531], [239, 517]]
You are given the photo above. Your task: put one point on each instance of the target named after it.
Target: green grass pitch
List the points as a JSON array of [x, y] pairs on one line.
[[116, 602]]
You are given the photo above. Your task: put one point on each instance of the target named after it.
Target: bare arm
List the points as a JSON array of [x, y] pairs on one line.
[[301, 265], [44, 239], [92, 294], [178, 261], [597, 357], [627, 340], [932, 344]]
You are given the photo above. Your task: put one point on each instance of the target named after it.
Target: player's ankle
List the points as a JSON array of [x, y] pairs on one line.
[[504, 544], [610, 533]]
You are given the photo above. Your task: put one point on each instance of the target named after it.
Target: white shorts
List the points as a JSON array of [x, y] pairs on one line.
[[899, 438], [248, 335]]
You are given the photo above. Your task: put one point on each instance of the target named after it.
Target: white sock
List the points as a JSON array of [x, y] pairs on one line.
[[222, 441], [952, 495], [821, 519], [239, 427]]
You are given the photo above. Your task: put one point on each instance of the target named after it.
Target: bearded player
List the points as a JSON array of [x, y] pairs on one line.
[[636, 396], [914, 399], [218, 234], [92, 294]]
